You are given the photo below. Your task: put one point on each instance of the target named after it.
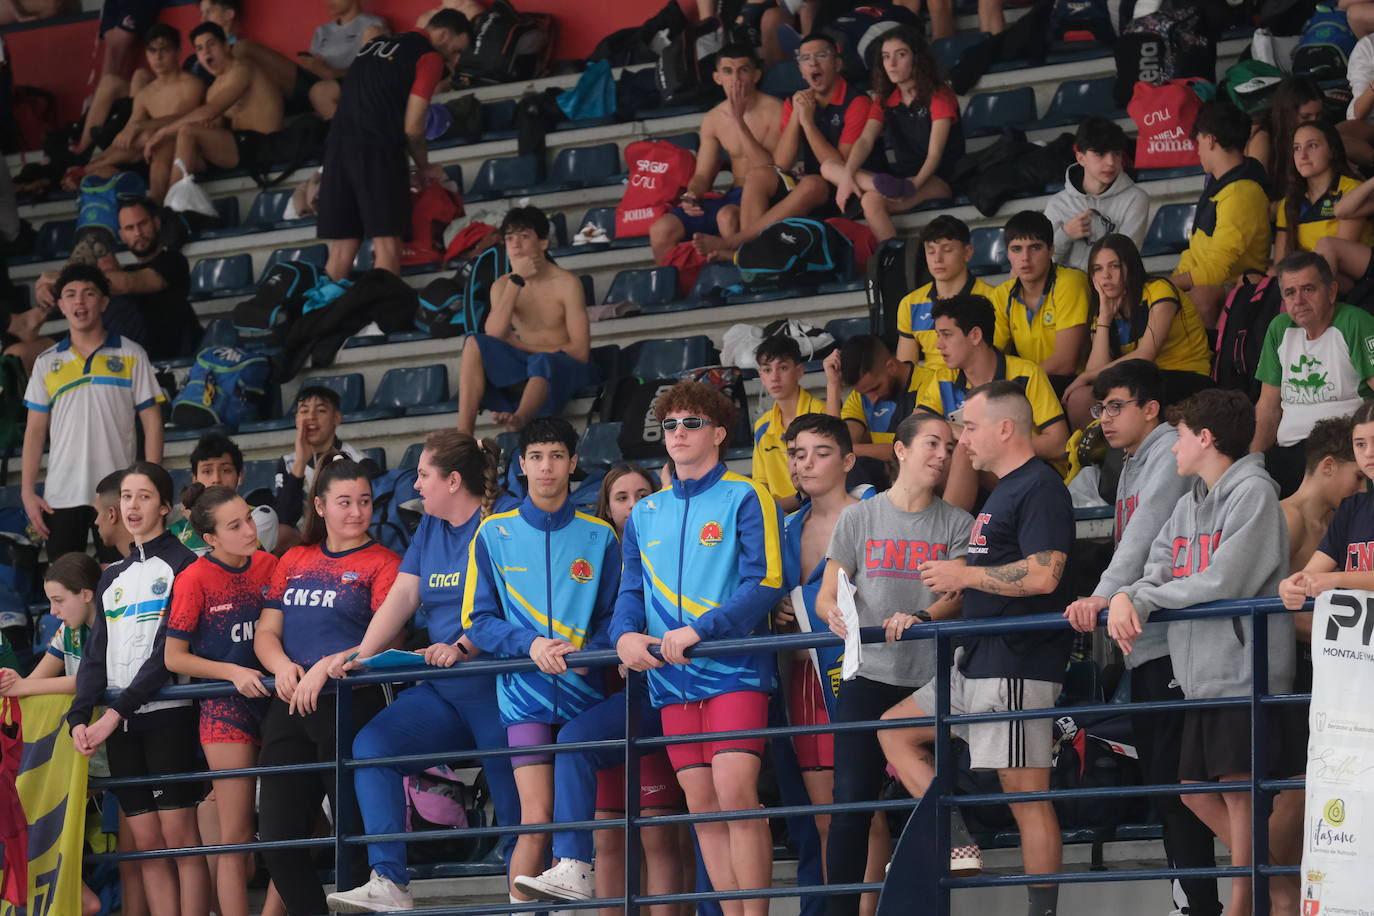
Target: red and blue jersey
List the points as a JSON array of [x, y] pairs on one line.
[[327, 598], [216, 607]]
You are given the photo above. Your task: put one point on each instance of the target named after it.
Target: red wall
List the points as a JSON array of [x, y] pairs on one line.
[[61, 57]]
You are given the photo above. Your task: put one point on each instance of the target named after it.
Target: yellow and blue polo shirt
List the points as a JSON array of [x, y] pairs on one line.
[[1184, 350], [881, 418], [1317, 218], [93, 403], [1029, 332], [769, 466], [914, 319]]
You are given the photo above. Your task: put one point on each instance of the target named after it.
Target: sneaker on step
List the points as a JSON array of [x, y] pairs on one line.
[[569, 879], [379, 895], [965, 861]]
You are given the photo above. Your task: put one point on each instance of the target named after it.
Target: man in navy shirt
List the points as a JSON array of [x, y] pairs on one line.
[[1016, 556]]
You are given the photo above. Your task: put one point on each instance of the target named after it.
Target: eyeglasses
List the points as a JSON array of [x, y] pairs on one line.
[[671, 423], [1110, 408], [818, 56]]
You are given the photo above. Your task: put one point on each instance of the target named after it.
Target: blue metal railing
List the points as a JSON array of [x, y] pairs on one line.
[[925, 871]]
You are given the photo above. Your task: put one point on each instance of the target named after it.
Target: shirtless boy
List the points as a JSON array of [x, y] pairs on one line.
[[171, 93], [1331, 475], [241, 93], [293, 81], [745, 125], [537, 334]]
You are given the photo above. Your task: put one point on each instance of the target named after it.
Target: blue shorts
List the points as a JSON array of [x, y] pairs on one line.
[[710, 210], [507, 368]]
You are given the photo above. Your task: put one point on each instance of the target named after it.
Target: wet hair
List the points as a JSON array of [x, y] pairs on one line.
[[820, 36], [1329, 438], [108, 488], [333, 467], [473, 460], [925, 70], [911, 425], [1029, 224], [211, 446], [1007, 400], [83, 273], [531, 218], [1301, 260], [320, 393], [945, 227], [1132, 269], [702, 400], [1100, 135], [968, 311], [74, 571], [820, 424], [201, 503], [860, 355], [1224, 123], [1226, 413], [161, 31], [1295, 186], [1140, 377], [548, 429], [603, 500], [210, 28], [456, 22], [778, 346], [735, 50]]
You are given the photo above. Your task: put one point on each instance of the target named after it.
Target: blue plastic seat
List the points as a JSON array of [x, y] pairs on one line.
[[364, 260], [844, 328], [668, 356], [584, 167], [605, 360], [220, 333], [55, 239], [1075, 100], [686, 141], [600, 216], [258, 475], [498, 120], [456, 173], [989, 252], [599, 445], [268, 208], [403, 389], [947, 51], [377, 454], [782, 79], [988, 112], [498, 176], [348, 387], [410, 458], [650, 286], [318, 254], [216, 278], [1169, 230], [717, 275]]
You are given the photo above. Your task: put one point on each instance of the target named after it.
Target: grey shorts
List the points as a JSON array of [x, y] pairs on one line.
[[998, 745]]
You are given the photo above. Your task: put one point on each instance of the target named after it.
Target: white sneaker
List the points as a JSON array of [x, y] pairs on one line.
[[380, 895], [965, 861], [569, 879]]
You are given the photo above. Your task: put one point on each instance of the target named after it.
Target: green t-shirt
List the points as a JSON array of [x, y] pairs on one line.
[[1321, 378], [7, 657], [181, 529]]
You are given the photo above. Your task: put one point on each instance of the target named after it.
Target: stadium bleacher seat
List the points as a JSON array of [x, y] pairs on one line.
[[377, 454], [947, 51], [606, 361], [498, 120], [588, 287], [989, 252], [220, 333], [706, 291], [215, 278], [349, 388], [604, 217], [363, 260], [844, 328], [258, 475], [410, 391], [268, 208], [55, 240], [1075, 100], [455, 172], [686, 141], [1169, 230], [583, 167], [988, 112], [782, 79], [649, 286], [499, 175], [318, 254], [410, 458], [599, 445], [665, 357], [181, 478], [228, 210]]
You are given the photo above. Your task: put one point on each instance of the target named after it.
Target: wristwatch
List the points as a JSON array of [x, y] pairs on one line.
[[923, 615], [517, 279]]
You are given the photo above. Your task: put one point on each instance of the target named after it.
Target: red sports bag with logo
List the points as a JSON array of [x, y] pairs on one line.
[[1164, 117], [659, 171]]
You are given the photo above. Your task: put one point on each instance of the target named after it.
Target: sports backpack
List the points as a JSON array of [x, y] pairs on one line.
[[659, 171], [395, 510], [98, 203], [476, 276], [683, 71], [1323, 51], [225, 386], [438, 799], [889, 282], [796, 252], [641, 433], [1245, 319], [441, 312], [508, 45], [279, 299], [1081, 20], [1167, 45]]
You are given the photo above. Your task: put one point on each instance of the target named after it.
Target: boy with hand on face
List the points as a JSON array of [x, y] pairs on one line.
[[318, 416], [1098, 198], [946, 244], [780, 370]]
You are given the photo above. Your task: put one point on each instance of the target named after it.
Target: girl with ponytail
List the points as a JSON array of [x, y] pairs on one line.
[[457, 483]]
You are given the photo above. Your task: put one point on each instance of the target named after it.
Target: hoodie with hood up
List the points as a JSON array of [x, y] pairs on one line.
[[1227, 542], [1124, 207], [1149, 489]]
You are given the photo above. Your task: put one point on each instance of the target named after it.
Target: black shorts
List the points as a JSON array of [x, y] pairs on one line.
[[133, 16], [298, 99], [252, 145], [158, 743], [1216, 743], [69, 531], [364, 192]]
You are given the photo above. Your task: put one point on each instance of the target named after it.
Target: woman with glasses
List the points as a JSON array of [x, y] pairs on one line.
[[1138, 317]]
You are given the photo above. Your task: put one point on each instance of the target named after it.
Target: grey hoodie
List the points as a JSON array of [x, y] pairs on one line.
[[1147, 493], [1229, 542], [1123, 208]]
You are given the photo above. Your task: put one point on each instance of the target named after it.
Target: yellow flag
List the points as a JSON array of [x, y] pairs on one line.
[[52, 789]]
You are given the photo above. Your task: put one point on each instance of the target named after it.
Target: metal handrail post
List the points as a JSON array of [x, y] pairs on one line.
[[344, 805], [941, 789], [634, 695], [1259, 799]]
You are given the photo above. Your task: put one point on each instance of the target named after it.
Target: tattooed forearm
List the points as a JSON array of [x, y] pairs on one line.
[[1039, 574]]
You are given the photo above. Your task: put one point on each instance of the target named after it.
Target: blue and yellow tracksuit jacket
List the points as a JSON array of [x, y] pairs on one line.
[[706, 554], [533, 573]]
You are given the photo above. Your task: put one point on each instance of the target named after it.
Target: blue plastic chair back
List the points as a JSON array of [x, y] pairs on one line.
[[498, 116], [268, 207], [686, 141], [260, 474], [377, 454], [456, 173], [411, 457], [668, 356], [210, 276], [650, 286], [947, 51], [585, 166], [317, 254], [782, 79], [989, 252], [219, 333], [228, 210], [599, 445], [364, 259], [348, 387], [1075, 100], [55, 239], [988, 112], [1169, 230], [499, 175], [412, 387], [718, 275], [603, 217]]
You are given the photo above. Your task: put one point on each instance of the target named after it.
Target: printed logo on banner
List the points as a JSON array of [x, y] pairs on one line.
[[1312, 893]]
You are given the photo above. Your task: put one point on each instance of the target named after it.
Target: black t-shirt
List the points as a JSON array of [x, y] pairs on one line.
[[376, 87], [171, 328], [1029, 511], [1349, 538]]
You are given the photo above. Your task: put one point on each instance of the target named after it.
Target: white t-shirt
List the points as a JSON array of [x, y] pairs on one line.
[[93, 404], [1360, 71], [1318, 378], [337, 44]]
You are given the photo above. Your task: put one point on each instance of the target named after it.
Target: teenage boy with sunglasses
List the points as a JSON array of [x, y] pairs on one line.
[[703, 561]]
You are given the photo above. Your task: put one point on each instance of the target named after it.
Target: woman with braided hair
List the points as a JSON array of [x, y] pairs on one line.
[[457, 483]]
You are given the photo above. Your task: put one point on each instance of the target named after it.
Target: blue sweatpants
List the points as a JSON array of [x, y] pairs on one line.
[[445, 716], [574, 774]]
